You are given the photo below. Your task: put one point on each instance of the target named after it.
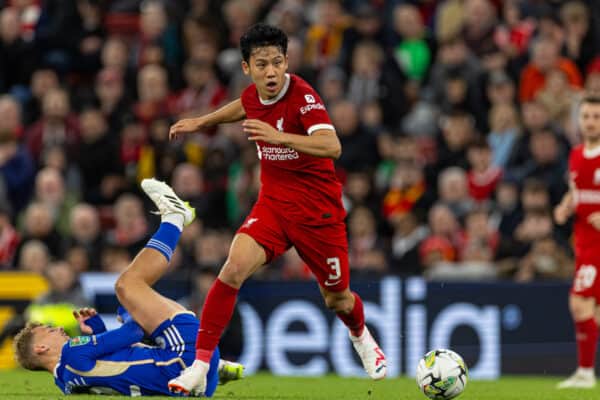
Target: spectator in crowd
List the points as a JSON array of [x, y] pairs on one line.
[[367, 26], [360, 148], [504, 133], [500, 88], [479, 25], [38, 225], [98, 159], [358, 191], [131, 227], [51, 192], [440, 244], [548, 161], [515, 31], [407, 237], [507, 212], [153, 91], [547, 260], [203, 93], [111, 98], [84, 223], [324, 37], [483, 176], [58, 126], [457, 132], [34, 257], [581, 36], [16, 165], [558, 96], [17, 55], [453, 191], [207, 251], [545, 58], [42, 81], [64, 286], [365, 248], [9, 240]]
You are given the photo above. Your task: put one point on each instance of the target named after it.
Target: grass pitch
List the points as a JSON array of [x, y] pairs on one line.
[[23, 385]]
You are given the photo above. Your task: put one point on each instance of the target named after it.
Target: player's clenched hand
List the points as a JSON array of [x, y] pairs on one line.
[[594, 220], [259, 130], [185, 126], [562, 212], [82, 315]]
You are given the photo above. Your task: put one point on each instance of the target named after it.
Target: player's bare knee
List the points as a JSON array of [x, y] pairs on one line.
[[233, 273], [124, 283], [581, 309]]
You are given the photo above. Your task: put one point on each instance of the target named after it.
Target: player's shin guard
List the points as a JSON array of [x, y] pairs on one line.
[[586, 333], [355, 320], [216, 314]]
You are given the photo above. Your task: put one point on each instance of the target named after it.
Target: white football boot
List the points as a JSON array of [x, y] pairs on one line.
[[581, 379], [230, 371], [167, 201], [370, 353], [192, 380]]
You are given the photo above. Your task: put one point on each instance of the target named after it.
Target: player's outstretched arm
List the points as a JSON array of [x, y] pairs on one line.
[[231, 112], [564, 209], [322, 142]]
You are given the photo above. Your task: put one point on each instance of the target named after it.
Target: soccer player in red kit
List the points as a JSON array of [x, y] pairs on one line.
[[299, 204], [583, 200]]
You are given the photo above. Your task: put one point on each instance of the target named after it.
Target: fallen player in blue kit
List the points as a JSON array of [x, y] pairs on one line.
[[115, 362]]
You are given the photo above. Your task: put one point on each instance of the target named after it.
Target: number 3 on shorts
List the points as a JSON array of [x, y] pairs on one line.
[[334, 264]]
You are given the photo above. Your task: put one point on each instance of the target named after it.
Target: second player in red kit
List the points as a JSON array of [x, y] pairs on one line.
[[299, 204], [583, 200]]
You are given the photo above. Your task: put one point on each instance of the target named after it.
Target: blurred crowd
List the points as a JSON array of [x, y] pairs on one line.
[[456, 119]]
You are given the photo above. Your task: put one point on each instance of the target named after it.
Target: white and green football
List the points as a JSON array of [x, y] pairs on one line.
[[442, 374]]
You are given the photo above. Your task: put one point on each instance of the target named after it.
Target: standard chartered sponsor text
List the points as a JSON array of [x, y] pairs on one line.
[[278, 153]]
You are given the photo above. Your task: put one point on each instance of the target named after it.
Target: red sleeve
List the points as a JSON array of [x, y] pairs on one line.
[[573, 160], [313, 115], [246, 96]]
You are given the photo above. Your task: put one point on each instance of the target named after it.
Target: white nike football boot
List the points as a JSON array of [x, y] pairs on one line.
[[192, 380], [581, 379], [167, 201], [370, 353]]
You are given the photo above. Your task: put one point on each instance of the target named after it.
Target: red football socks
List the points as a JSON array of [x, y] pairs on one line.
[[586, 333], [216, 313], [355, 320]]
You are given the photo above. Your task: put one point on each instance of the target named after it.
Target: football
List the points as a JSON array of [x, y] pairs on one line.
[[442, 374]]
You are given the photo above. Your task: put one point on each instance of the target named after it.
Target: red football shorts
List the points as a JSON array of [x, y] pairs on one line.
[[586, 281], [324, 248]]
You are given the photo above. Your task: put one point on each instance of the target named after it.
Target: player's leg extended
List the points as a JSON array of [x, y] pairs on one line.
[[245, 257], [325, 251], [134, 286], [583, 311]]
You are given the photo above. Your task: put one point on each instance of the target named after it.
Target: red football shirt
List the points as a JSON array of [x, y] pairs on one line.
[[584, 170], [304, 187]]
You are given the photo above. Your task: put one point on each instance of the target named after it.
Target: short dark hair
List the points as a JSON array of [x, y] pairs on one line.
[[591, 99], [262, 35]]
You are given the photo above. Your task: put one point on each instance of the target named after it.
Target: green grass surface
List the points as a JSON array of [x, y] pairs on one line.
[[22, 385]]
